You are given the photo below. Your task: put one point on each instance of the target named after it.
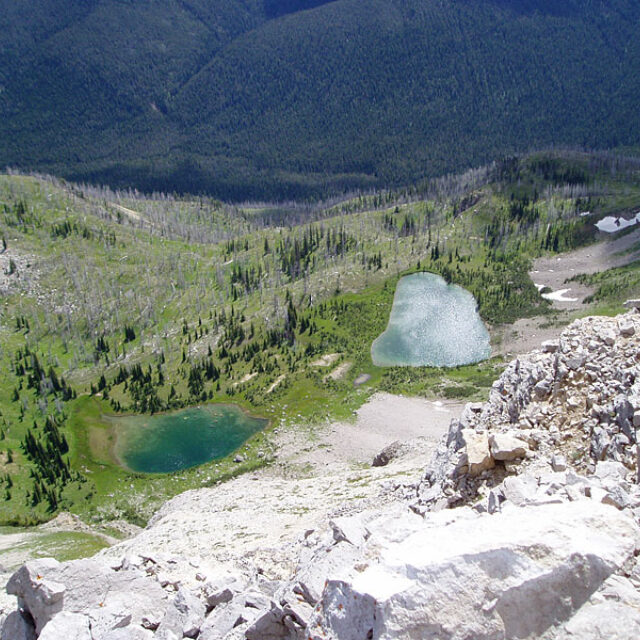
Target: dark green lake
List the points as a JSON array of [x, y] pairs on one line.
[[432, 324], [182, 439]]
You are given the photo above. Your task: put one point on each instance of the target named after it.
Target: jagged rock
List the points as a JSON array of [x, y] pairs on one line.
[[518, 490], [506, 446], [222, 620], [18, 626], [510, 575], [550, 346], [479, 457], [310, 578], [129, 633], [390, 452], [151, 621], [617, 497], [299, 612], [611, 613], [600, 444], [609, 469], [558, 462], [349, 529], [192, 611], [114, 615], [610, 621], [222, 589], [268, 626], [626, 327], [68, 626], [576, 362], [254, 599], [624, 416], [183, 617], [240, 613], [37, 593], [345, 614], [543, 388], [109, 598]]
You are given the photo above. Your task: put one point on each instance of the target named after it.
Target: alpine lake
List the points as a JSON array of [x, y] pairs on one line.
[[181, 439], [432, 324]]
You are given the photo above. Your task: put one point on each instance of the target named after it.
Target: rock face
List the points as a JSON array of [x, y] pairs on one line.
[[525, 525]]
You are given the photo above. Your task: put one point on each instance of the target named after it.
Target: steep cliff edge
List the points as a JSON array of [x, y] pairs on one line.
[[524, 525]]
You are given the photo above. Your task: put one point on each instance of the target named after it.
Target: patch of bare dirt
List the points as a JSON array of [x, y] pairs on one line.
[[554, 271]]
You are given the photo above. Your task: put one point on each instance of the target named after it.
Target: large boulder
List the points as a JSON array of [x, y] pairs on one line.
[[109, 598], [479, 456], [514, 574], [38, 591]]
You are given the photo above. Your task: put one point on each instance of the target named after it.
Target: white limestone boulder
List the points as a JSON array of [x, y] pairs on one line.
[[38, 591], [506, 447], [110, 598], [478, 455], [514, 574]]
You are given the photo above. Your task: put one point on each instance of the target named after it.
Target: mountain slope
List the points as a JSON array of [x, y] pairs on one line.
[[239, 100], [524, 525]]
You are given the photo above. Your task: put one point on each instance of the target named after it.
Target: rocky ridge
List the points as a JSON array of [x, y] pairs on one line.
[[524, 525]]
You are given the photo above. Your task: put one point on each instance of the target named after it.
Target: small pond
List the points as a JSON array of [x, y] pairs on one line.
[[181, 439], [432, 324]]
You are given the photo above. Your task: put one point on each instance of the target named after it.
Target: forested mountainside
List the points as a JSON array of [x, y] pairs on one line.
[[246, 98]]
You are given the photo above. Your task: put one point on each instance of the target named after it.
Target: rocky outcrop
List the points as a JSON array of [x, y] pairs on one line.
[[575, 400], [525, 525]]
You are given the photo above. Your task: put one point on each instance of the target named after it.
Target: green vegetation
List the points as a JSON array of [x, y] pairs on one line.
[[114, 303], [27, 544], [614, 285], [239, 100]]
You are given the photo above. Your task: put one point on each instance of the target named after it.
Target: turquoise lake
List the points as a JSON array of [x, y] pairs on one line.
[[431, 324], [182, 439]]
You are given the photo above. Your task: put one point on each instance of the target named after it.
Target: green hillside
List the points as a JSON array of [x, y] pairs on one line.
[[277, 100], [112, 304]]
